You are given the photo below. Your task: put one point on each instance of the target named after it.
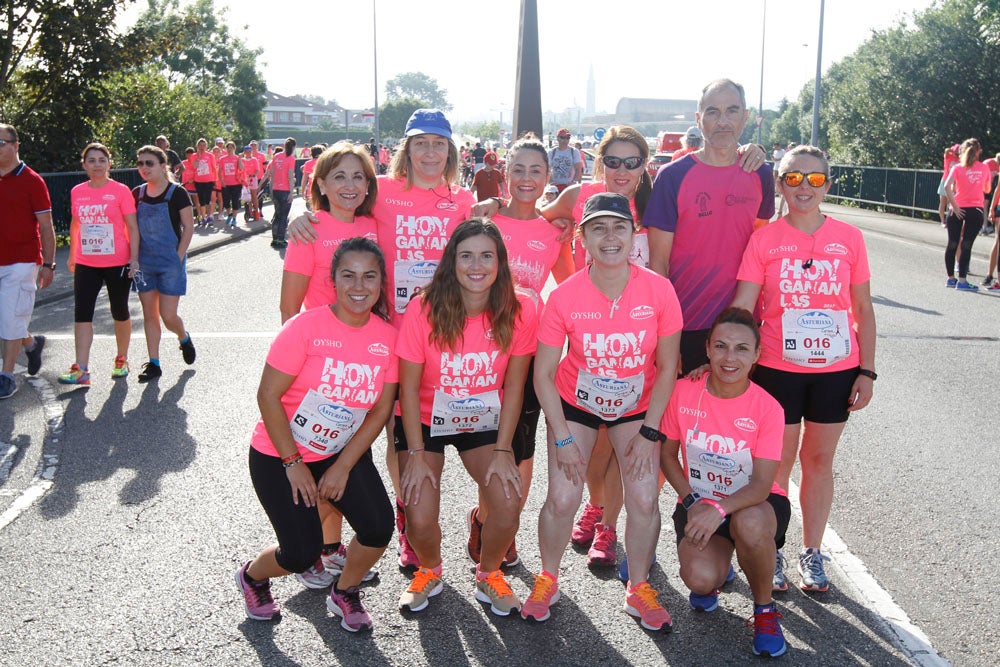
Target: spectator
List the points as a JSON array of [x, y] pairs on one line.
[[690, 142], [489, 181], [173, 159], [27, 256], [564, 162], [478, 155]]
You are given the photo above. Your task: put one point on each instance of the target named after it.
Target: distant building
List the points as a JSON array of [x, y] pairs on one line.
[[284, 114], [669, 113]]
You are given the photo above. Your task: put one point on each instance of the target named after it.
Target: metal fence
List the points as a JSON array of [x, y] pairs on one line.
[[911, 190]]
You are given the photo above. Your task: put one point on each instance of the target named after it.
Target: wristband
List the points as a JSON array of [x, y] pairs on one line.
[[568, 440], [868, 374], [716, 505], [650, 433], [289, 461], [411, 452], [509, 451]]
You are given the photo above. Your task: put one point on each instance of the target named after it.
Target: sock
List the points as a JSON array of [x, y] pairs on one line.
[[550, 575], [29, 348], [186, 339], [480, 574], [762, 608], [247, 578], [332, 547], [82, 367], [811, 550], [155, 362], [7, 375]]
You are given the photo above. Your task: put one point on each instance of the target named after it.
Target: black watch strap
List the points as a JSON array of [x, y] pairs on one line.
[[868, 374], [51, 266], [650, 433]]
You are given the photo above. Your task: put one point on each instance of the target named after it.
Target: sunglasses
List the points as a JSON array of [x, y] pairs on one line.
[[149, 164], [612, 162], [794, 179]]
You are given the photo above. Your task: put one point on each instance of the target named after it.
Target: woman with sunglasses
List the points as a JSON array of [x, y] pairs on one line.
[[326, 390], [166, 225], [623, 325], [817, 358], [464, 350], [965, 187], [104, 250]]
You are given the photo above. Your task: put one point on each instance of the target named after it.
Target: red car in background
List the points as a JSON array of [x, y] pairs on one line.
[[666, 144]]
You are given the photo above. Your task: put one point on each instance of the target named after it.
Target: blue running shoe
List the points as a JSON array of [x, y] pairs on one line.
[[704, 603], [951, 282], [966, 286], [623, 568], [731, 574], [767, 636]]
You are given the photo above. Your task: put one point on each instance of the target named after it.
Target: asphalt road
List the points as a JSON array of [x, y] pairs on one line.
[[127, 555]]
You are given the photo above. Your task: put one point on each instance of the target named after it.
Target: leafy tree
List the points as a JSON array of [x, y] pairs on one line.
[[486, 130], [393, 115], [418, 86], [245, 100]]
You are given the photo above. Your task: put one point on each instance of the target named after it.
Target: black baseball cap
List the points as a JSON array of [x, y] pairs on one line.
[[607, 204]]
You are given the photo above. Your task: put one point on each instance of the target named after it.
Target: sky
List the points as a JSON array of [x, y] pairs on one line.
[[642, 48]]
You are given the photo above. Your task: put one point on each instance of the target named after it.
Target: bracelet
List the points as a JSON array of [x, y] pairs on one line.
[[289, 461], [716, 505], [509, 451], [411, 452], [291, 457], [568, 440], [650, 433]]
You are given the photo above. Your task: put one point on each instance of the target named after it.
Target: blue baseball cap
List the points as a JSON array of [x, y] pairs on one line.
[[428, 121]]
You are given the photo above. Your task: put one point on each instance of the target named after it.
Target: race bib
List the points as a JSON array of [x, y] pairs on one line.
[[608, 398], [815, 338], [324, 427], [717, 475], [97, 239], [472, 414], [412, 275], [203, 168]]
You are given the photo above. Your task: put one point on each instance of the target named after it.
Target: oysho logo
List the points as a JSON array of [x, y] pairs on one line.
[[378, 349], [584, 316], [537, 245], [326, 342], [467, 405], [701, 414], [610, 385], [642, 312], [835, 249], [783, 248], [815, 319], [717, 460], [399, 202], [335, 413], [745, 424], [423, 270]]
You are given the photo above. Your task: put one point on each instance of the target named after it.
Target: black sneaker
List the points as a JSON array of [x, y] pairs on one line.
[[187, 349], [988, 281], [150, 371], [35, 355]]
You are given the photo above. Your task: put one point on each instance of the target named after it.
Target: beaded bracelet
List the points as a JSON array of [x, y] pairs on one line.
[[568, 440], [411, 452], [289, 461]]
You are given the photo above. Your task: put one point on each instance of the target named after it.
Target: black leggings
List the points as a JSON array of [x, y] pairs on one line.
[[231, 196], [967, 230], [87, 281], [298, 528]]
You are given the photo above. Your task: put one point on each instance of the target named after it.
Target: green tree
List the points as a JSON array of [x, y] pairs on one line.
[[418, 86], [393, 115]]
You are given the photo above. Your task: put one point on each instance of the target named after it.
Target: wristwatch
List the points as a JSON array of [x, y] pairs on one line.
[[51, 266], [650, 433], [690, 499], [868, 374]]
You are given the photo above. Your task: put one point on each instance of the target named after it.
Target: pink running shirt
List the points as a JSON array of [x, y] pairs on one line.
[[971, 183], [532, 251], [774, 258], [315, 259], [229, 165], [722, 427], [204, 168], [346, 366], [279, 173], [607, 340], [101, 239], [477, 367]]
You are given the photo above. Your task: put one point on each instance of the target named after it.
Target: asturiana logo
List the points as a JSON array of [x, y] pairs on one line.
[[447, 206], [537, 245], [745, 424], [379, 349], [835, 249], [611, 385], [423, 270], [467, 405], [815, 319], [717, 461], [336, 413], [642, 312]]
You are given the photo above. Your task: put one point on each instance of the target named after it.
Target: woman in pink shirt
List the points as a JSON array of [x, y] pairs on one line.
[[231, 175], [252, 171], [950, 158], [327, 388], [281, 171], [727, 497], [623, 325], [104, 250], [810, 273], [205, 173], [464, 351], [965, 187]]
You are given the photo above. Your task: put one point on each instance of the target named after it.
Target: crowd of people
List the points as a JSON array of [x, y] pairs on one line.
[[685, 326]]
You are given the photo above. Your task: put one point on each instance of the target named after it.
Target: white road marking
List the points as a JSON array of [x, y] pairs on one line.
[[6, 460], [906, 636], [196, 335]]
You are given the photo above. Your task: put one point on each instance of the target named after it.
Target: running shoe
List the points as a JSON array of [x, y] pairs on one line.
[[491, 587], [623, 569], [316, 577], [511, 558], [603, 551], [767, 636], [475, 544], [987, 281], [187, 349], [8, 386], [407, 556], [425, 584], [347, 605], [150, 371], [75, 376], [34, 355], [811, 568], [583, 529], [966, 286], [257, 598], [335, 561], [729, 575], [544, 594], [995, 287], [779, 584], [120, 369], [704, 603], [641, 602], [952, 282]]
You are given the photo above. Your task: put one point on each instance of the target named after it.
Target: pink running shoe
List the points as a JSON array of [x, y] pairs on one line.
[[347, 605], [257, 598], [544, 594], [407, 556], [583, 530], [603, 551], [641, 602]]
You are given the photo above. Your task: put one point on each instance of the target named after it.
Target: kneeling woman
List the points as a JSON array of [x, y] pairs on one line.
[[727, 497], [464, 350], [325, 393], [623, 323]]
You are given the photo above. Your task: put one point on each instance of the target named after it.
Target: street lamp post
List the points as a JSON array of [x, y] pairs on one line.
[[760, 104], [378, 138], [819, 70]]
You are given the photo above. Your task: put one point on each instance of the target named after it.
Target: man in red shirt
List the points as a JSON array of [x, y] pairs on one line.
[[27, 240], [488, 181]]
